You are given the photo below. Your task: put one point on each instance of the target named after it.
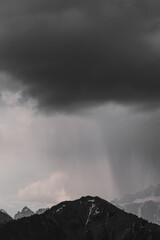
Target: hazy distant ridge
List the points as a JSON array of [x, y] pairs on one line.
[[145, 203]]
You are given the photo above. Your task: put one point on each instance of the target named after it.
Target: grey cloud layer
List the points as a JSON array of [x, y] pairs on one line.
[[73, 53]]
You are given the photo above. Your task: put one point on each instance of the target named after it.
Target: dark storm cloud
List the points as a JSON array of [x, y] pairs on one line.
[[76, 53]]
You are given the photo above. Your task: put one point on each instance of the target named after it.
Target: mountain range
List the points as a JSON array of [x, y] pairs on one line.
[[87, 218], [145, 203]]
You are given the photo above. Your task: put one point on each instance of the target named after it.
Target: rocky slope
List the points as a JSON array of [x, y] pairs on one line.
[[88, 218], [145, 203], [4, 217], [26, 212], [41, 210]]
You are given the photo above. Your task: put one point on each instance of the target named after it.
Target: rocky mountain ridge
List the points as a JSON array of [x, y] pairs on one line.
[[4, 217], [26, 212], [87, 218]]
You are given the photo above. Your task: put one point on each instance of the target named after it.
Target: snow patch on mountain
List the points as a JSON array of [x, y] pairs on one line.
[[90, 212]]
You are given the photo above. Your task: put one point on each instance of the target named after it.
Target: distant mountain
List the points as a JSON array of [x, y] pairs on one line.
[[4, 217], [41, 210], [88, 218], [145, 203], [26, 212]]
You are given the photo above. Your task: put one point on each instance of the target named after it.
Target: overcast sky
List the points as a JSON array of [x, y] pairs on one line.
[[79, 99]]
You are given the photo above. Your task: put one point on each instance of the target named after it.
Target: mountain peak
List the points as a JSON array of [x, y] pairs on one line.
[[3, 211], [87, 218], [4, 217], [26, 209], [26, 212]]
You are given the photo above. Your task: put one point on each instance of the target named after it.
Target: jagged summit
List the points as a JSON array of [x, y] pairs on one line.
[[87, 218], [26, 212]]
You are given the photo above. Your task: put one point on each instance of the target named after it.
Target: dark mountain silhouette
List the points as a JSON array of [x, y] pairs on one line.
[[88, 218], [4, 217]]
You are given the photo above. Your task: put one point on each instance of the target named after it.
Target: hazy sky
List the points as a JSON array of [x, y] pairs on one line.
[[79, 99]]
